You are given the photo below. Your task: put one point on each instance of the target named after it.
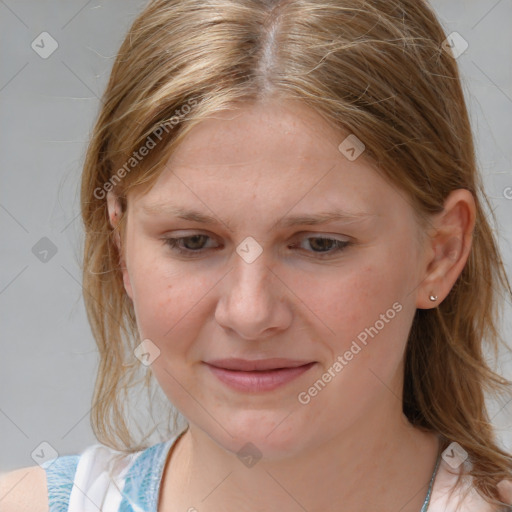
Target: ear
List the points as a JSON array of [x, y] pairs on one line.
[[447, 248], [505, 490], [114, 214]]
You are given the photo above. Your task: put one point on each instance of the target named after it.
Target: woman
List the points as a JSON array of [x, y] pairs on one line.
[[285, 227]]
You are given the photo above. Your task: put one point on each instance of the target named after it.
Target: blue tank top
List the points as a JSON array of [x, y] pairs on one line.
[[103, 479]]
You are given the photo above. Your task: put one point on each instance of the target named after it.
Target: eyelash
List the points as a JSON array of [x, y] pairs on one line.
[[172, 243]]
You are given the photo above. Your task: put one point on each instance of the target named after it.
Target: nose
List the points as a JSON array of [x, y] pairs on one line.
[[254, 302]]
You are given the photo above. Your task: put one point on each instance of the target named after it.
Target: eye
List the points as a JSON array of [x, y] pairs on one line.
[[194, 245], [326, 246]]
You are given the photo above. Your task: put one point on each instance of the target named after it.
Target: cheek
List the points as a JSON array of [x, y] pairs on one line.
[[164, 296], [344, 303], [370, 322], [364, 317], [168, 311]]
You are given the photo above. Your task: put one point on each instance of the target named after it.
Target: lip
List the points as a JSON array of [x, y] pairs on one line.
[[258, 375], [249, 365]]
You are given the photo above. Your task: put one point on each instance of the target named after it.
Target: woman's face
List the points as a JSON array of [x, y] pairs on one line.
[[264, 282]]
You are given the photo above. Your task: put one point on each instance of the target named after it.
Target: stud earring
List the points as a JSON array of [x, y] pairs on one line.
[[433, 298]]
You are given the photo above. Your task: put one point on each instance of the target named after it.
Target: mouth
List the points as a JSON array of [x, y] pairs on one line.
[[257, 375], [247, 365]]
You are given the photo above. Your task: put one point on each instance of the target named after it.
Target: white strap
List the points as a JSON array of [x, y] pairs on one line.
[[98, 481], [444, 500]]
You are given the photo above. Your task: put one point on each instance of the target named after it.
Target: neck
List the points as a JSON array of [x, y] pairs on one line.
[[374, 466]]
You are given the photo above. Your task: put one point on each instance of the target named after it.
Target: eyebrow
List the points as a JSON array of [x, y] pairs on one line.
[[285, 222]]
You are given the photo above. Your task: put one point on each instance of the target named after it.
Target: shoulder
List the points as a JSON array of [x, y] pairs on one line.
[[447, 497], [113, 479], [63, 483], [98, 475], [24, 490]]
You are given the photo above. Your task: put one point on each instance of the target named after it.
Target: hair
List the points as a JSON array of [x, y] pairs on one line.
[[374, 68]]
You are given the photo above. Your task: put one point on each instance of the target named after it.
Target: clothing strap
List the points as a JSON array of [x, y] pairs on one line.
[[424, 508]]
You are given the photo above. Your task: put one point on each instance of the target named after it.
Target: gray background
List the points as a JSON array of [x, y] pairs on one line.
[[48, 357]]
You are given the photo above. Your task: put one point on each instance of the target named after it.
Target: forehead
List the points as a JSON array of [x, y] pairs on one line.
[[283, 156], [258, 131]]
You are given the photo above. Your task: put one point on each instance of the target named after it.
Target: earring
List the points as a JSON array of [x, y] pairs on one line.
[[433, 298]]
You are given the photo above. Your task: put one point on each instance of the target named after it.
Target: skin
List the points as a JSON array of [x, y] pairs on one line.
[[350, 448]]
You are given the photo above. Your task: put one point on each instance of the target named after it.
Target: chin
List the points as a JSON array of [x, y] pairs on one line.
[[265, 434]]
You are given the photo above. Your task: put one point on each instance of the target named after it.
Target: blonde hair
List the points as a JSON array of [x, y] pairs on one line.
[[375, 68]]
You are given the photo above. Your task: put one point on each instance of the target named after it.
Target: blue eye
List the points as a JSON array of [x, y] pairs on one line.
[[194, 245]]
